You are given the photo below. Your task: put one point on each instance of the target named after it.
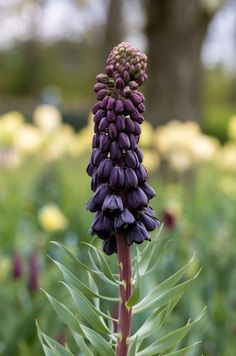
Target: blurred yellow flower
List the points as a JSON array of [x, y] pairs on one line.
[[51, 218], [5, 267], [28, 140], [9, 126], [231, 129], [47, 118], [227, 157], [151, 160], [147, 137]]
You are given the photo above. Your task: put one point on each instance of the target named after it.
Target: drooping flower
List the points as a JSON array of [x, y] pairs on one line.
[[119, 179]]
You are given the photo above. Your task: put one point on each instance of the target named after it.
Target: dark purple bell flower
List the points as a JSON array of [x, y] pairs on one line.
[[131, 159], [112, 203], [137, 198], [124, 219], [141, 173], [120, 123], [118, 176], [33, 279], [104, 142], [98, 198], [103, 124], [148, 190], [115, 151], [138, 234], [131, 180], [112, 131], [104, 168], [109, 245], [123, 141], [148, 219]]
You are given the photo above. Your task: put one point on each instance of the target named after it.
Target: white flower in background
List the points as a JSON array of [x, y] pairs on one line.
[[28, 140], [51, 218], [47, 118], [204, 147], [227, 157]]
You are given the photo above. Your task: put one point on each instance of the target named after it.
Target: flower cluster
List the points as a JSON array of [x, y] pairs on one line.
[[119, 179]]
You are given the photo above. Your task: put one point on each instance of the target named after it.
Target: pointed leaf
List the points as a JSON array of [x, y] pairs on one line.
[[182, 352], [99, 343], [133, 347], [135, 297], [53, 344], [81, 344]]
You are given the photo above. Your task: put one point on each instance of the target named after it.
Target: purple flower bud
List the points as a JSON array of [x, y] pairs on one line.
[[95, 108], [105, 167], [101, 94], [136, 98], [131, 180], [120, 84], [104, 143], [98, 87], [111, 116], [90, 169], [95, 141], [116, 177], [141, 173], [123, 141], [138, 234], [131, 159], [133, 142], [129, 125], [99, 114], [115, 151], [102, 78], [109, 245], [120, 123], [102, 226], [129, 107], [131, 69], [127, 91], [109, 70], [126, 76], [133, 85], [119, 107], [139, 154], [112, 203], [104, 102], [148, 190], [17, 266], [137, 128], [103, 124], [135, 115], [141, 107], [112, 131], [97, 156], [137, 198], [123, 219], [111, 103]]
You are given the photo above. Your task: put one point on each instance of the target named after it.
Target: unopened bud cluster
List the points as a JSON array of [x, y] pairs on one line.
[[119, 179]]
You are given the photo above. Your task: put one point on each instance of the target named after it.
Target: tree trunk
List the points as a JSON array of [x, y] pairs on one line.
[[175, 31], [114, 26]]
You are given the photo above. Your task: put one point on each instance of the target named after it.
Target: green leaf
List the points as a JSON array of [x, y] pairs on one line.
[[163, 287], [63, 313], [86, 311], [99, 343], [133, 347], [182, 352], [136, 290], [81, 344], [170, 341], [53, 344]]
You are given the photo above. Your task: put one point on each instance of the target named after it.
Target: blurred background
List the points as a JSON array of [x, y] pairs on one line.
[[50, 53]]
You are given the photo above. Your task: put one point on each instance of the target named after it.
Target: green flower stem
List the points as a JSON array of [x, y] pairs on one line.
[[125, 313]]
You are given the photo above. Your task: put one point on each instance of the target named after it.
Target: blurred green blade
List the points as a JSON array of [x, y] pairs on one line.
[[100, 344], [182, 352], [87, 312], [133, 347], [63, 313], [81, 344], [170, 341], [53, 344]]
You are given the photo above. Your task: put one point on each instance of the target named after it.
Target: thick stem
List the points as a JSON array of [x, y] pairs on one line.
[[125, 313]]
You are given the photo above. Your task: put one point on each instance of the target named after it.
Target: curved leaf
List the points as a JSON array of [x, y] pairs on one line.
[[100, 344]]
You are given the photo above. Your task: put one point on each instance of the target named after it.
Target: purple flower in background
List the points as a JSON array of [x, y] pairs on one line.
[[33, 279], [17, 266], [119, 179]]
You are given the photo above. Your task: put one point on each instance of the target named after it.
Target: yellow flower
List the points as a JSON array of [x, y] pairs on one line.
[[232, 128], [146, 139], [52, 219], [227, 157], [28, 140], [9, 126], [151, 160]]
